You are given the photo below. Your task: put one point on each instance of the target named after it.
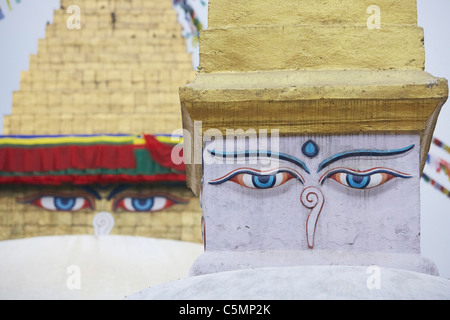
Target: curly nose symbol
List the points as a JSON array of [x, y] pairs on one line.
[[312, 198]]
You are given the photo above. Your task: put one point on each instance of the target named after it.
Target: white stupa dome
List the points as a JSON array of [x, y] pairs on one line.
[[303, 283], [90, 267], [118, 267]]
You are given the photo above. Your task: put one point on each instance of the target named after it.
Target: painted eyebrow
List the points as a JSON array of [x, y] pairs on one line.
[[263, 154], [116, 190], [92, 192], [362, 153]]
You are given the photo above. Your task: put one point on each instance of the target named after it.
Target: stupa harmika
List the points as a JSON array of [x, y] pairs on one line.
[[90, 127], [343, 85]]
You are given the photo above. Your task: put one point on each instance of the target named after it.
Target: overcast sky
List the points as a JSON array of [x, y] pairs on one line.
[[21, 28]]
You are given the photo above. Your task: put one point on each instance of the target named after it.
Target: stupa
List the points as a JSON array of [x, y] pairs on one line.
[[87, 147]]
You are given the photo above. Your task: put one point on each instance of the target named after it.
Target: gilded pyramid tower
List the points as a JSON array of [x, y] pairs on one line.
[[118, 73]]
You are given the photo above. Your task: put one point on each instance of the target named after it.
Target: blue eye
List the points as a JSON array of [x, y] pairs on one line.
[[136, 202], [145, 204], [264, 182], [362, 179], [357, 182], [60, 203], [64, 204], [254, 179]]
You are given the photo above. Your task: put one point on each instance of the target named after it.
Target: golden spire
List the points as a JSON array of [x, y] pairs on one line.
[[118, 71]]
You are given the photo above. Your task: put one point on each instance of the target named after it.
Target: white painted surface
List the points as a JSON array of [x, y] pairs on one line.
[[89, 267], [308, 283], [385, 218]]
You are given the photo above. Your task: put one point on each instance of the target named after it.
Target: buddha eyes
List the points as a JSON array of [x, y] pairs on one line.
[[263, 181], [146, 203], [60, 202], [65, 203], [128, 202], [362, 179], [149, 204], [255, 179]]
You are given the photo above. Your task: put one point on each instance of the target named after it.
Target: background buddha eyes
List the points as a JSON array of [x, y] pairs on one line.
[[130, 202], [60, 202], [146, 202]]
